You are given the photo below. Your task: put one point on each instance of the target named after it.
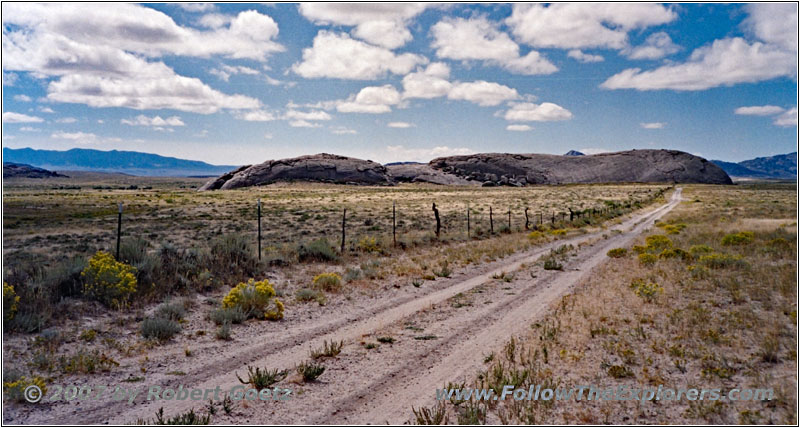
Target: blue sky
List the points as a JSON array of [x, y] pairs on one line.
[[244, 83]]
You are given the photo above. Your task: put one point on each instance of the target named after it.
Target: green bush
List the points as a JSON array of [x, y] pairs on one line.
[[330, 282], [233, 254], [720, 261], [369, 244], [310, 371], [740, 238], [319, 250], [658, 243], [10, 301], [617, 253], [698, 250], [108, 281], [233, 315], [15, 390], [159, 328], [170, 311], [647, 259], [646, 290], [261, 379], [255, 299], [550, 263]]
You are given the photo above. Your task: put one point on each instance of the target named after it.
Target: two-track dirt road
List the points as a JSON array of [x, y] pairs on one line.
[[439, 335]]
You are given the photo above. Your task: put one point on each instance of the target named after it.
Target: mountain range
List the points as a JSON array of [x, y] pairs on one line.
[[778, 167]]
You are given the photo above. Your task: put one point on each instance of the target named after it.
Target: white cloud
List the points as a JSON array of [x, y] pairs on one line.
[[530, 112], [11, 117], [518, 128], [726, 62], [214, 20], [256, 116], [583, 25], [774, 23], [9, 79], [788, 118], [482, 93], [76, 137], [196, 7], [479, 39], [579, 55], [66, 120], [46, 110], [402, 153], [429, 83], [29, 129], [372, 99], [226, 71], [401, 125], [759, 110], [338, 56], [23, 98], [382, 24], [157, 121], [657, 45], [99, 54], [303, 124], [653, 125], [343, 130], [310, 115]]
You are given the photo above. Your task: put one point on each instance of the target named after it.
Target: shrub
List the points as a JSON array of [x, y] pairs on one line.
[[720, 260], [108, 281], [233, 315], [698, 272], [261, 379], [550, 263], [352, 274], [647, 259], [369, 244], [740, 238], [319, 250], [310, 371], [331, 349], [170, 311], [444, 270], [535, 235], [673, 229], [86, 362], [223, 332], [159, 328], [646, 290], [187, 418], [558, 232], [658, 242], [234, 254], [639, 249], [617, 253], [697, 250], [330, 282], [619, 372], [88, 335], [15, 390], [65, 277], [10, 300], [255, 299]]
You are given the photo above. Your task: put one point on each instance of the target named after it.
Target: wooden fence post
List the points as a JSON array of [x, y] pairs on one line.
[[468, 232], [394, 224], [438, 223], [259, 229], [344, 219], [526, 218], [491, 222], [119, 227], [509, 220]]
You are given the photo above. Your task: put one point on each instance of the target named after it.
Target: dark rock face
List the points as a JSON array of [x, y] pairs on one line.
[[423, 173], [11, 170], [640, 166], [322, 167]]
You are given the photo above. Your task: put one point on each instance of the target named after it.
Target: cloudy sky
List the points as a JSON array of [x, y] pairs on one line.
[[240, 83]]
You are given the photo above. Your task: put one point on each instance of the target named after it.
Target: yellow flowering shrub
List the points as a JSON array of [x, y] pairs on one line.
[[328, 281], [10, 300], [108, 281], [369, 244], [15, 390], [646, 290], [558, 232], [255, 299]]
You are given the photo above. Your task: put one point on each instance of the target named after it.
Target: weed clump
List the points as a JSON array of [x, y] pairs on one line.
[[319, 250], [558, 232], [646, 290], [657, 243], [722, 261], [739, 238], [330, 282], [260, 379], [308, 295], [310, 371], [255, 300], [535, 235], [234, 315], [369, 244], [329, 349], [647, 259], [10, 300], [108, 281], [699, 250], [161, 329], [617, 253], [15, 390]]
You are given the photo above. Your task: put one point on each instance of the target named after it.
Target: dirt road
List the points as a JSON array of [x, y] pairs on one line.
[[437, 335]]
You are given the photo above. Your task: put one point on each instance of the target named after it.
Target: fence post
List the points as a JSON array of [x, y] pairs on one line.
[[259, 229], [571, 214], [509, 220], [468, 234], [541, 220], [344, 218], [491, 221], [119, 227], [394, 224], [553, 219], [526, 218], [438, 222]]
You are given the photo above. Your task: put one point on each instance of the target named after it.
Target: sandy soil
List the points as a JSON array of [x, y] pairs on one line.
[[441, 333]]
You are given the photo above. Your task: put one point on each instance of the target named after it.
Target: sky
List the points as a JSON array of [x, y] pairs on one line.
[[234, 84]]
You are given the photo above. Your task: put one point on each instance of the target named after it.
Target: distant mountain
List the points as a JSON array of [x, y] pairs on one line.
[[574, 153], [14, 170], [779, 166], [402, 163], [126, 162]]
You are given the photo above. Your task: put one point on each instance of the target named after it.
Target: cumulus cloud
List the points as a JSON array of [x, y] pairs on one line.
[[9, 79], [657, 45], [99, 55], [767, 110], [787, 119], [304, 124], [583, 25], [774, 23], [530, 112], [482, 93], [372, 99], [479, 39], [429, 83], [581, 56], [66, 120], [652, 125], [226, 71], [143, 120], [11, 117], [309, 115], [401, 125], [402, 153], [22, 98], [256, 116], [519, 128], [337, 55], [382, 24]]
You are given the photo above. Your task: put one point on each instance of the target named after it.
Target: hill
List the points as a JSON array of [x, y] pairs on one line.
[[118, 161], [777, 167], [18, 170]]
